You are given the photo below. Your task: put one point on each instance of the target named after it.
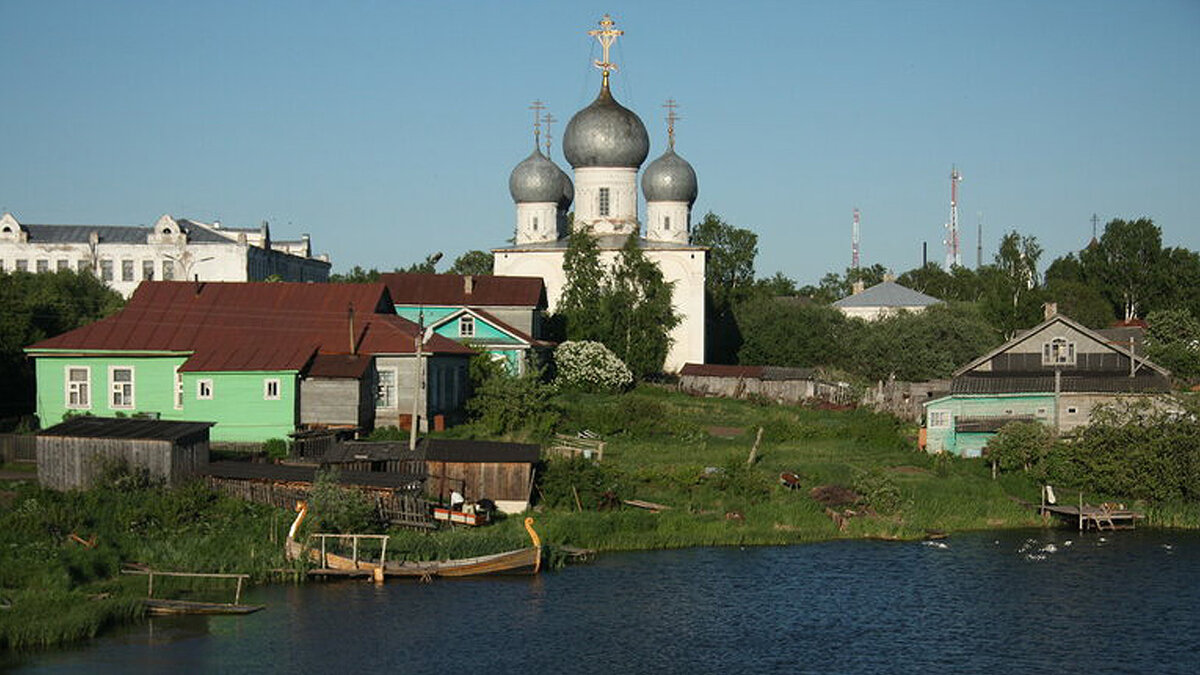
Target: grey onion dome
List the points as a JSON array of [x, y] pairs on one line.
[[670, 179], [536, 179], [606, 134], [568, 188]]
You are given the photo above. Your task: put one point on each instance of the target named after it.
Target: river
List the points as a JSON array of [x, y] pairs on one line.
[[1041, 601]]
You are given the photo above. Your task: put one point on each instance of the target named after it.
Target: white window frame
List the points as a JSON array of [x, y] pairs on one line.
[[1058, 351], [69, 384], [126, 269], [385, 394], [204, 389], [939, 419], [466, 326], [125, 390], [106, 269], [272, 383], [177, 387]]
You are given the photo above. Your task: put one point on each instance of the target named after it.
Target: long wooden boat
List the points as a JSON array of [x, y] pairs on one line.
[[160, 607], [518, 561]]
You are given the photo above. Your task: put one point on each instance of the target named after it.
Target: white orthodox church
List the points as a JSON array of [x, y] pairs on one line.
[[606, 144]]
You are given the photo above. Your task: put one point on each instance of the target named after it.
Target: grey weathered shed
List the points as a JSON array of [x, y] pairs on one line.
[[76, 453]]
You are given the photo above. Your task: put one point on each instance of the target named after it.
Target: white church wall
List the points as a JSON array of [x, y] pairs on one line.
[[622, 196], [668, 221]]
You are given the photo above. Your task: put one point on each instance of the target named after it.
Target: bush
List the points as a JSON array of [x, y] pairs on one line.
[[1019, 445], [590, 366], [597, 485], [878, 490], [507, 405], [275, 448], [341, 510]]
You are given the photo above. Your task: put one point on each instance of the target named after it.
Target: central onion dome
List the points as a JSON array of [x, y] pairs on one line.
[[670, 179], [606, 134], [538, 180]]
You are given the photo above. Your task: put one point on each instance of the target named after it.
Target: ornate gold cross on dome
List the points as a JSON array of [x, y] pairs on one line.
[[607, 35], [672, 118]]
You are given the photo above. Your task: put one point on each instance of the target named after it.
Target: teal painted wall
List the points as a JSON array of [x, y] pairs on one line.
[[484, 332], [971, 444], [433, 314], [238, 405]]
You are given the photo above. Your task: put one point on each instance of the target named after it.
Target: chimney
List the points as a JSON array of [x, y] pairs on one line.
[[856, 288], [468, 284], [1050, 310]]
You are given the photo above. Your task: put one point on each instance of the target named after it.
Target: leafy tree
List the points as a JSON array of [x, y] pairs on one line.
[[357, 275], [427, 266], [920, 346], [1080, 301], [473, 262], [1173, 341], [515, 406], [779, 333], [638, 306], [1011, 295], [732, 250], [1127, 264], [775, 286], [584, 287], [1019, 445], [34, 307]]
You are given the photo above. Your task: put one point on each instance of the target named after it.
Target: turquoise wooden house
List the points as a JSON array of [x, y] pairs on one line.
[[501, 315], [260, 360], [1056, 373]]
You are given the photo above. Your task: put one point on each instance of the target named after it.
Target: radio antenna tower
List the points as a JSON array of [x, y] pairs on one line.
[[854, 242], [953, 256]]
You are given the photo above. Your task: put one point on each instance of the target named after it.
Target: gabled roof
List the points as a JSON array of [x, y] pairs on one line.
[[231, 326], [452, 290], [1057, 319], [887, 294], [516, 333]]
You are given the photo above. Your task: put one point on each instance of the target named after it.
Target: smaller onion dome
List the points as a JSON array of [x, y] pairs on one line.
[[536, 179], [670, 179], [568, 188]]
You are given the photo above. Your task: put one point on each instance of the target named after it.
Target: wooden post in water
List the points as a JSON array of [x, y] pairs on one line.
[[150, 592], [354, 543], [1081, 510], [237, 595]]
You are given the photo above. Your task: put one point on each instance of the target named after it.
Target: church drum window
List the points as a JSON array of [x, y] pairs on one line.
[[604, 201], [666, 222]]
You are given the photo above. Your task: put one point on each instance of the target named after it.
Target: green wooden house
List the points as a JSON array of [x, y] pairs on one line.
[[260, 360], [1056, 373], [501, 315]]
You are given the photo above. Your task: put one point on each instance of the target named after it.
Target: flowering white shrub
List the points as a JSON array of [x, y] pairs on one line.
[[590, 366]]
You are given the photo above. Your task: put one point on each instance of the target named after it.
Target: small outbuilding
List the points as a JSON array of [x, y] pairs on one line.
[[501, 472], [77, 452]]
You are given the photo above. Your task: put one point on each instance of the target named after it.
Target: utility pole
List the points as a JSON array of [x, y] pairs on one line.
[[979, 242], [417, 368]]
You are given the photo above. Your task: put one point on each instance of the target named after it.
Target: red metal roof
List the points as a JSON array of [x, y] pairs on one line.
[[253, 326], [452, 289]]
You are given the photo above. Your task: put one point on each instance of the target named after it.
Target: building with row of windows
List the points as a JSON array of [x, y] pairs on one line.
[[123, 256]]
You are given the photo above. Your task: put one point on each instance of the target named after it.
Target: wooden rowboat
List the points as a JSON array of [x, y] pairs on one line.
[[518, 561], [160, 607]]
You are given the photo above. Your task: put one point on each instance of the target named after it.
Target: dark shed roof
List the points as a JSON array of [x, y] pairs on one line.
[[125, 427], [286, 473], [457, 450], [757, 372]]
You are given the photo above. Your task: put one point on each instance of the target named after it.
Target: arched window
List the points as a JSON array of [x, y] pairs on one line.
[[1058, 352]]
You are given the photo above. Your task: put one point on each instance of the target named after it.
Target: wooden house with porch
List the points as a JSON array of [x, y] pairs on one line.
[[1056, 373]]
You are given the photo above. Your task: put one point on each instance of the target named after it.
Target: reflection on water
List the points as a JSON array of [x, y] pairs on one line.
[[1042, 601]]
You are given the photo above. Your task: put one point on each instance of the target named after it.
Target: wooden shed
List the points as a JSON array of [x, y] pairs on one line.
[[74, 454], [501, 472]]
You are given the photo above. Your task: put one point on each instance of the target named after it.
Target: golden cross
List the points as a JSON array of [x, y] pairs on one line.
[[548, 119], [672, 118], [537, 107], [607, 36]]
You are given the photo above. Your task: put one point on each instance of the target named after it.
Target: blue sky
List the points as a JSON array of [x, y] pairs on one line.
[[387, 130]]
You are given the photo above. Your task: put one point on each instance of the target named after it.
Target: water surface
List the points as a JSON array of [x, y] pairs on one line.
[[1030, 602]]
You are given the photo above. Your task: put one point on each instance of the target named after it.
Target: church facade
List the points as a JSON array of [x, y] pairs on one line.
[[606, 144]]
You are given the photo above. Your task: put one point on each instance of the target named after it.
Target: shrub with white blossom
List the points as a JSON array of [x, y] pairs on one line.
[[590, 366]]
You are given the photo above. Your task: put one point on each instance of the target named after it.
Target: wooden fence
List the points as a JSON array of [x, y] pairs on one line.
[[398, 508], [18, 448]]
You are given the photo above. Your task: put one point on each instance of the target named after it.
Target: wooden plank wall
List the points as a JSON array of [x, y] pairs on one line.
[[404, 510], [18, 448], [77, 463], [479, 480]]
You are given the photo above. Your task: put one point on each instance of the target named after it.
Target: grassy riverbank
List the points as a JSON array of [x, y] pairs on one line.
[[688, 454]]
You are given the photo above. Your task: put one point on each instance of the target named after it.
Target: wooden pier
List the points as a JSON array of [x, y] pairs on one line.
[[1104, 517]]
